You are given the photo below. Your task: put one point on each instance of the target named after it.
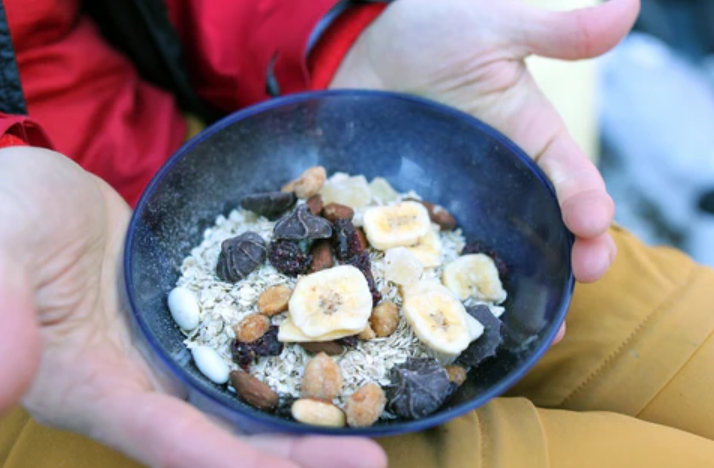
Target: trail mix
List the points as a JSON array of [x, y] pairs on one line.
[[339, 302]]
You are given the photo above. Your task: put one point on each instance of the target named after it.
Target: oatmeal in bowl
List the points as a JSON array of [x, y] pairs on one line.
[[346, 263], [340, 302]]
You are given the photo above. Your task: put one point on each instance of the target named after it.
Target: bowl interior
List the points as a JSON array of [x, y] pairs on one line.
[[496, 193]]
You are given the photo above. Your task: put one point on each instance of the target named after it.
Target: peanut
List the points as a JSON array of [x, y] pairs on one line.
[[274, 300], [252, 328], [384, 319], [322, 378], [364, 407]]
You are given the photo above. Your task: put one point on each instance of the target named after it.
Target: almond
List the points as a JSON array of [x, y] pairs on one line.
[[331, 348], [457, 374], [334, 211], [314, 203], [364, 407], [274, 300], [254, 392], [384, 319], [318, 412], [321, 256], [322, 378], [251, 328]]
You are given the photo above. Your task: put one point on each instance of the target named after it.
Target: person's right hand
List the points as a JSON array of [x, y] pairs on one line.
[[66, 349]]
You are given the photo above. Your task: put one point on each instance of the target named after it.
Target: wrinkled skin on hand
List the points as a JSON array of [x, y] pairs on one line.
[[67, 350]]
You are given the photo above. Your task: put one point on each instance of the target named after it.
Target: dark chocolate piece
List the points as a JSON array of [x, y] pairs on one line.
[[418, 387], [269, 204], [240, 256], [487, 344], [301, 224]]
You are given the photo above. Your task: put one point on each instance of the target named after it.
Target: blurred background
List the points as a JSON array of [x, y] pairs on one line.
[[645, 114]]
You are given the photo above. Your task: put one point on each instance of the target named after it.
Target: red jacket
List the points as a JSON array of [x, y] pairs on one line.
[[93, 106]]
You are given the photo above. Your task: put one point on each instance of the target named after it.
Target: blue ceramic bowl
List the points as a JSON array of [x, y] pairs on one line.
[[495, 191]]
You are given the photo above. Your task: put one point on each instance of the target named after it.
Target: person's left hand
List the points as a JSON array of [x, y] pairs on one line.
[[470, 54], [66, 346]]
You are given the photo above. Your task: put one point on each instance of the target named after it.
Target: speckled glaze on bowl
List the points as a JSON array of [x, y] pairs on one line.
[[495, 191]]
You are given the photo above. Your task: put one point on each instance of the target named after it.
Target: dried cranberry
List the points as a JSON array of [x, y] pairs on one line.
[[476, 247], [287, 257], [362, 262], [244, 354], [345, 239]]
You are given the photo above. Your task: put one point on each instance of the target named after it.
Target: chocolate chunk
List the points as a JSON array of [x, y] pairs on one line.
[[487, 344], [300, 224], [240, 256], [418, 387], [269, 204]]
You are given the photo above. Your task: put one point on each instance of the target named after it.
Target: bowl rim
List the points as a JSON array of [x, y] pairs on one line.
[[287, 426]]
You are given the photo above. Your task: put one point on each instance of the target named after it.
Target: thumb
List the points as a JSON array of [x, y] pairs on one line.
[[577, 34], [19, 333]]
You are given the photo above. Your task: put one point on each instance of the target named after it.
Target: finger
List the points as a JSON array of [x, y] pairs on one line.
[[162, 431], [592, 257], [325, 452], [20, 345], [577, 34], [559, 337], [19, 334], [588, 210]]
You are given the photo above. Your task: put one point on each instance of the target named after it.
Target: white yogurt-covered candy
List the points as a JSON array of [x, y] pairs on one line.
[[211, 364], [184, 308]]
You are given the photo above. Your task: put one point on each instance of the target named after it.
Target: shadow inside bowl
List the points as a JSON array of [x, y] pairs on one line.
[[495, 192]]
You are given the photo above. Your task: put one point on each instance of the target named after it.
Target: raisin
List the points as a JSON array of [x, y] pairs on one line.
[[268, 204], [477, 247], [345, 240], [240, 256], [288, 258], [418, 387], [362, 262], [301, 224], [244, 354]]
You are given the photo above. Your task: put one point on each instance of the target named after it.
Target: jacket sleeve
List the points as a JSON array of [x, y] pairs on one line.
[[18, 130], [232, 44]]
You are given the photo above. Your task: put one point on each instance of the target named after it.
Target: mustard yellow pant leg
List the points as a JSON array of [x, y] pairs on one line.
[[640, 342], [26, 444], [513, 433]]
